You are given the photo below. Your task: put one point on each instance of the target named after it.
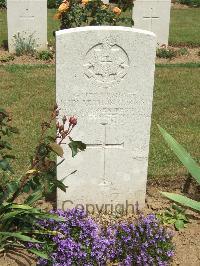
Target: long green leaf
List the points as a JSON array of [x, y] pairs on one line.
[[34, 197], [38, 253], [183, 200], [21, 237], [11, 214], [182, 154]]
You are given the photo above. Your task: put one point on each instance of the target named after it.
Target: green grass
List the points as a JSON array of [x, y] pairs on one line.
[[29, 93], [184, 26]]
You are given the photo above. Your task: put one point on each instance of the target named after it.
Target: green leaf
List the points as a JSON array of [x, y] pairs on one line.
[[193, 204], [34, 197], [21, 207], [182, 154], [21, 237], [38, 253], [11, 214], [12, 186], [75, 146], [179, 224], [60, 185], [4, 165], [56, 148]]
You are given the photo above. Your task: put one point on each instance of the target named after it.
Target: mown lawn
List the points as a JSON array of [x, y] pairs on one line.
[[184, 26], [29, 93]]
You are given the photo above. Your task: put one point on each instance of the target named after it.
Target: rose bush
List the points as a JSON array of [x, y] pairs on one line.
[[77, 13]]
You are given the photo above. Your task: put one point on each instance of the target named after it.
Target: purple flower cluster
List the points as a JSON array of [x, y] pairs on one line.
[[144, 243], [80, 241]]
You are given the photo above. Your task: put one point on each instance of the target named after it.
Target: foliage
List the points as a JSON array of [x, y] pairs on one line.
[[191, 3], [6, 130], [2, 4], [81, 241], [51, 4], [17, 220], [167, 53], [198, 53], [192, 167], [183, 51], [44, 55], [6, 58], [175, 216], [24, 44], [77, 13]]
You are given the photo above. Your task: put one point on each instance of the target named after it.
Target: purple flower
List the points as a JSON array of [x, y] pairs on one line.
[[81, 241]]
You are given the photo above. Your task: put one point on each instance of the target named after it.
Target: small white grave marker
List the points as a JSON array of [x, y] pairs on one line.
[[27, 18], [107, 82], [153, 16]]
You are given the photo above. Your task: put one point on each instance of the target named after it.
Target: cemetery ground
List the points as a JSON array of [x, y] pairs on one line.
[[28, 92]]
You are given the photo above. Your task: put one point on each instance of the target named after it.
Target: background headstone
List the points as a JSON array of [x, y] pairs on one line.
[[27, 17], [105, 1], [153, 16], [105, 76]]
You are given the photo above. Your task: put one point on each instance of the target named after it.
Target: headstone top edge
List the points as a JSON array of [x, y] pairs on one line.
[[104, 28]]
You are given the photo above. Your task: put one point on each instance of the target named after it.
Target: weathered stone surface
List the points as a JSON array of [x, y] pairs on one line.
[[153, 16], [105, 76], [27, 17]]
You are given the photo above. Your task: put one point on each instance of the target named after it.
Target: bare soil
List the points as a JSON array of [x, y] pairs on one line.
[[187, 241], [192, 56]]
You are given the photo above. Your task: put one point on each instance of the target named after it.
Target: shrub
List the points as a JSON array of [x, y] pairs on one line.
[[77, 13], [44, 55], [6, 58], [183, 51], [191, 3], [17, 220], [2, 4], [144, 243], [24, 44], [51, 4], [167, 53], [83, 242], [79, 241]]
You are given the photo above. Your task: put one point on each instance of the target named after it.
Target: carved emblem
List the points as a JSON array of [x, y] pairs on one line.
[[106, 63]]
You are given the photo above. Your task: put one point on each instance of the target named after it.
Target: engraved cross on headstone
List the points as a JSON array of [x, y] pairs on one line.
[[104, 146], [151, 17]]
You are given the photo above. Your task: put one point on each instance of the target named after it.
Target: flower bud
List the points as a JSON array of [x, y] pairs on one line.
[[73, 121], [64, 119]]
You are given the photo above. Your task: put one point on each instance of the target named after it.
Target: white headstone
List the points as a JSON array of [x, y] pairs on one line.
[[105, 76], [153, 16], [27, 17], [105, 1]]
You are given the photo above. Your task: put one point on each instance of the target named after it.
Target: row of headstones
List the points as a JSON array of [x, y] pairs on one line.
[[105, 76], [29, 18]]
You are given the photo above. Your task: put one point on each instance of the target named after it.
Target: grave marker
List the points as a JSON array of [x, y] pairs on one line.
[[153, 16], [107, 82], [27, 18]]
